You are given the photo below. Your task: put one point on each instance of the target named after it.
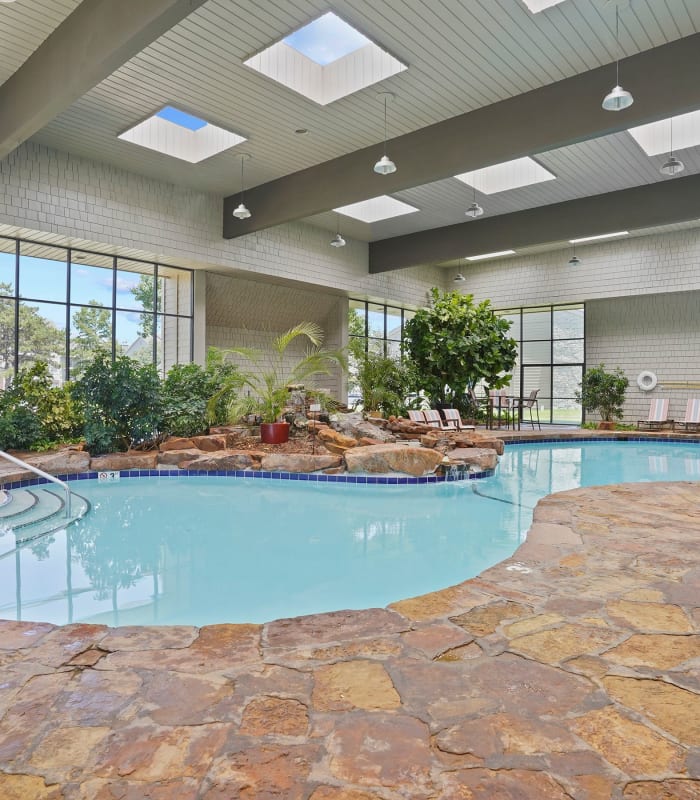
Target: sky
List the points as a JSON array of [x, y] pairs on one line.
[[326, 39]]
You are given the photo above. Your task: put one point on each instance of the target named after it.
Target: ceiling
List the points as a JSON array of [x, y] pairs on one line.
[[461, 57]]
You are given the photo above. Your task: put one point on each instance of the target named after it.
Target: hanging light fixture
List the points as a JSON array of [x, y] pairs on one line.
[[385, 166], [337, 240], [474, 210], [672, 165], [574, 261], [240, 211], [459, 278], [618, 98]]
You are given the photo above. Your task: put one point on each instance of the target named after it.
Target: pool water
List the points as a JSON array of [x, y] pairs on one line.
[[206, 550]]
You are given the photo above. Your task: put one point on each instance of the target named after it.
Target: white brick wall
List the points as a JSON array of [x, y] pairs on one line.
[[659, 333]]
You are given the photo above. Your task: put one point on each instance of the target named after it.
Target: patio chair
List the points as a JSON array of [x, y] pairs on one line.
[[453, 416], [416, 416], [529, 403], [433, 418], [691, 421], [658, 415], [499, 402]]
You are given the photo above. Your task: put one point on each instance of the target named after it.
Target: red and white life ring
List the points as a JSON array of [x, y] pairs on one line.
[[646, 380]]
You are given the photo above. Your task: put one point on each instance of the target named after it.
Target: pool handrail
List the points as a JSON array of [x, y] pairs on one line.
[[18, 462]]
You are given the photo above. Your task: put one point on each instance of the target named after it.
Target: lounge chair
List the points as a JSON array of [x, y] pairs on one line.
[[691, 421], [529, 403], [433, 418], [658, 415], [416, 416], [453, 416]]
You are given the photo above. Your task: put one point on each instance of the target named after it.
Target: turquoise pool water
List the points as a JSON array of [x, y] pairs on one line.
[[205, 550]]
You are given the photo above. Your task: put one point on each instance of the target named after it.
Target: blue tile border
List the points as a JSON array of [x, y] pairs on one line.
[[315, 477]]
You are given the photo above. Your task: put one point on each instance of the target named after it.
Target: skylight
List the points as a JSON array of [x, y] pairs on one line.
[[505, 176], [326, 39], [376, 209], [655, 138], [599, 236], [181, 135], [497, 254], [326, 60], [536, 6]]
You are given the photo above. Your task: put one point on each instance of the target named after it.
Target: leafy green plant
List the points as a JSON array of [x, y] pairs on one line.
[[187, 389], [384, 383], [271, 371], [454, 344], [34, 413], [122, 403], [603, 392]]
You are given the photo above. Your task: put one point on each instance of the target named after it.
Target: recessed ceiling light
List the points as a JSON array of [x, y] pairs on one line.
[[376, 209], [536, 6], [508, 175], [181, 135], [491, 255], [601, 236], [301, 131], [655, 137], [326, 60]]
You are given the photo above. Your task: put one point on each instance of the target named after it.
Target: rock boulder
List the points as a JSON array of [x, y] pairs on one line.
[[381, 458], [226, 460], [300, 462], [131, 460], [479, 457], [336, 442]]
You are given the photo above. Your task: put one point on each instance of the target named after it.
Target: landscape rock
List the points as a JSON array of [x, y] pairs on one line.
[[62, 462], [299, 462], [478, 457], [210, 443], [175, 458], [381, 458], [336, 442], [226, 460], [130, 460], [176, 443]]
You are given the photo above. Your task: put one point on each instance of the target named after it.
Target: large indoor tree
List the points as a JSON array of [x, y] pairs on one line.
[[455, 344]]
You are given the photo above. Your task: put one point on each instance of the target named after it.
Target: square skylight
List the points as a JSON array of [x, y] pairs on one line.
[[325, 60], [181, 135], [508, 175], [497, 254], [536, 6], [376, 209], [655, 138]]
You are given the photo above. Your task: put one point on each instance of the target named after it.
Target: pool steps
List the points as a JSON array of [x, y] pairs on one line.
[[34, 512]]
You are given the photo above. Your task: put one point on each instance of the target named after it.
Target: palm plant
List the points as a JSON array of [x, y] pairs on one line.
[[272, 372]]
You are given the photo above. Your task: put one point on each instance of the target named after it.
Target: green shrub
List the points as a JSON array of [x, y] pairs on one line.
[[188, 388], [34, 414], [122, 403]]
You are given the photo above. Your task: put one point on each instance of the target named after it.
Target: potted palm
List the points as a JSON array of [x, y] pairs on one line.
[[271, 372], [603, 392]]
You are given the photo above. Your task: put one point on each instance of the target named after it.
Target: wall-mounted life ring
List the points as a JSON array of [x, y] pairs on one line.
[[646, 381]]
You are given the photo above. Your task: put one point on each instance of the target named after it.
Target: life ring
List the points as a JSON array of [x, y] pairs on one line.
[[646, 381]]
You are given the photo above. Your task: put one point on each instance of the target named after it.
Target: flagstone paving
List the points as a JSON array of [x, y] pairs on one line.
[[571, 670]]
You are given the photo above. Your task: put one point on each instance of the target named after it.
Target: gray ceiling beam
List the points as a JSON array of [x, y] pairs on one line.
[[663, 81], [87, 47], [673, 200]]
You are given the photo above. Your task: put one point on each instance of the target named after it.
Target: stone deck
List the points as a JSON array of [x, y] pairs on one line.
[[571, 670]]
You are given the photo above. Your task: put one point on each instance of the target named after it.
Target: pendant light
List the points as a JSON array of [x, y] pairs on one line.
[[337, 240], [459, 278], [385, 166], [672, 165], [574, 261], [241, 212], [474, 210], [618, 98]]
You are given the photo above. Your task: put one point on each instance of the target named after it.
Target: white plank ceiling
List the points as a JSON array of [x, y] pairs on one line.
[[460, 56]]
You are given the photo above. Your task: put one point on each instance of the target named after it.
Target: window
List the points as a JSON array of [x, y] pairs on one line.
[[63, 306], [550, 358]]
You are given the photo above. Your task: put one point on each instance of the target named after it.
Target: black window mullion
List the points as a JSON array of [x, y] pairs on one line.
[[68, 306], [154, 323], [16, 364], [114, 307]]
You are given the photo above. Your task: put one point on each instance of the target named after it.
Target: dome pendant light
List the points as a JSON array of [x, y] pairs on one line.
[[385, 166], [617, 98], [337, 240], [574, 261], [241, 212], [474, 210], [672, 165], [459, 277]]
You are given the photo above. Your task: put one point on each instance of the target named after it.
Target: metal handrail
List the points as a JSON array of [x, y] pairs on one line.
[[42, 474]]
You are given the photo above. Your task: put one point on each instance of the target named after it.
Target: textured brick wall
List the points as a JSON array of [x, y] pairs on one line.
[[659, 333]]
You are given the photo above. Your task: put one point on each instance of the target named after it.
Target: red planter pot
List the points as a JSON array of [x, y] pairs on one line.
[[274, 432]]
